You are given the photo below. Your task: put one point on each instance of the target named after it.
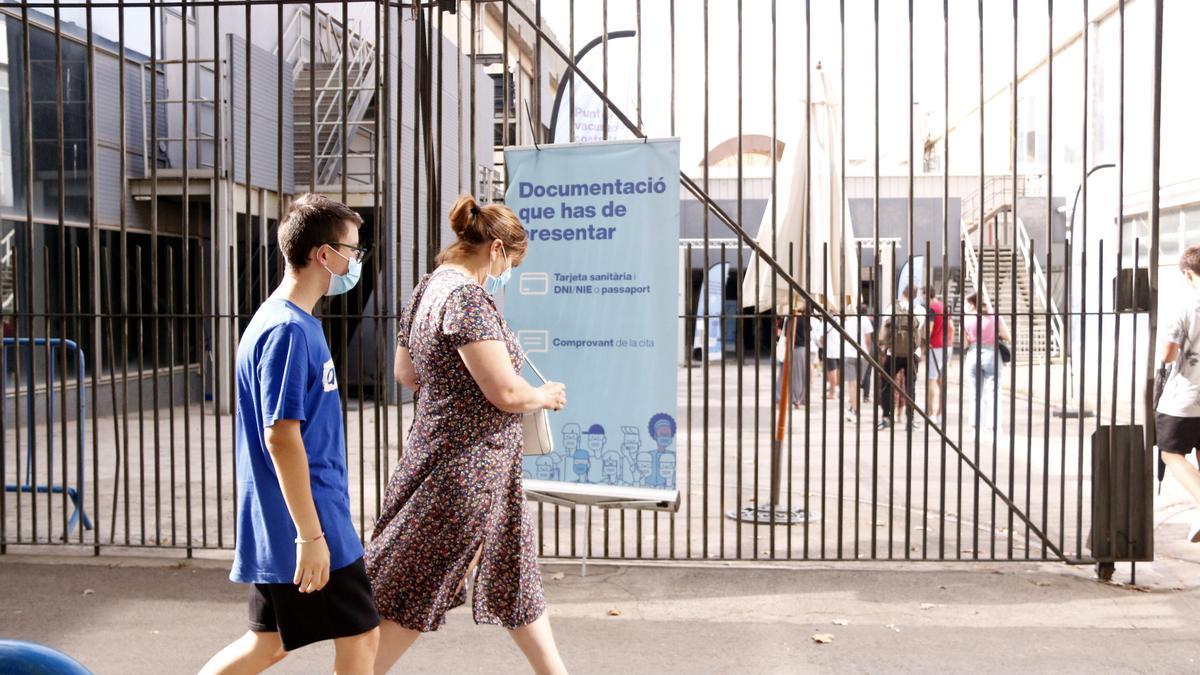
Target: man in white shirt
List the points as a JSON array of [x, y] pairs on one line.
[[1177, 418]]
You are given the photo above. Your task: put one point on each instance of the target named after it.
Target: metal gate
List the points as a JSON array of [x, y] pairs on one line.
[[151, 148]]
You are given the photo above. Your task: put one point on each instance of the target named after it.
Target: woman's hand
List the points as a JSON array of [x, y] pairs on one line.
[[554, 395]]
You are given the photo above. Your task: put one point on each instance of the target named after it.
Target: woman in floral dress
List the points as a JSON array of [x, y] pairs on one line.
[[455, 502]]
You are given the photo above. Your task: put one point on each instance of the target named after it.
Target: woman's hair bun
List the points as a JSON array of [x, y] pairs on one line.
[[465, 220]]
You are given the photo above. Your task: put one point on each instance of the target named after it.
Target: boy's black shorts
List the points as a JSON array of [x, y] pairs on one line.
[[1177, 434], [343, 608]]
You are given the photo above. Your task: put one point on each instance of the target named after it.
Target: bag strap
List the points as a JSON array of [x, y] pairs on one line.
[[535, 370]]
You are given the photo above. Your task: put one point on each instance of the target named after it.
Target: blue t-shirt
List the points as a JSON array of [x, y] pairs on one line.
[[285, 372]]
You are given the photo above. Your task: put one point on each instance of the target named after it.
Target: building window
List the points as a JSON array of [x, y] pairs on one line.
[[498, 94], [47, 89]]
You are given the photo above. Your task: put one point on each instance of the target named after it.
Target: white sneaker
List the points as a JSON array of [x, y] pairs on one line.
[[1194, 534], [851, 417]]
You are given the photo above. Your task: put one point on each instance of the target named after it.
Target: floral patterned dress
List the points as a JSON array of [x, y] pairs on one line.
[[457, 489]]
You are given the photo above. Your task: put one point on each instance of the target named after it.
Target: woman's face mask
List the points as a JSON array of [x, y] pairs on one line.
[[494, 284]]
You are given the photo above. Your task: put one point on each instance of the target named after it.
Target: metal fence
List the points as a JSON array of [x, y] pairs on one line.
[[138, 240]]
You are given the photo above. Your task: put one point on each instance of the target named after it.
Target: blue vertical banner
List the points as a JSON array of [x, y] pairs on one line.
[[712, 292], [594, 303]]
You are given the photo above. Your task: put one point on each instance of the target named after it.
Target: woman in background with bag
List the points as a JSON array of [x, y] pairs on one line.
[[988, 351], [455, 502]]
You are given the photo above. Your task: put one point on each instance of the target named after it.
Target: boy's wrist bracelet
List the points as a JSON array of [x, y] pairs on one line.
[[300, 540]]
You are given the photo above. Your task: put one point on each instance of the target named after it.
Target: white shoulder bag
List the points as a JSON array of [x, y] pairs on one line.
[[538, 439]]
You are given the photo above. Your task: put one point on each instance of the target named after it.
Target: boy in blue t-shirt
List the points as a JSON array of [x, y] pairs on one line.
[[296, 542]]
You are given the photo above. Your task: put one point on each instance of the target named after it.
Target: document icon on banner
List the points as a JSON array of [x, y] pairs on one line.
[[535, 283], [534, 341]]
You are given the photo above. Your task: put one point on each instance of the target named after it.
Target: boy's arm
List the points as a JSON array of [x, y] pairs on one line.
[[291, 467]]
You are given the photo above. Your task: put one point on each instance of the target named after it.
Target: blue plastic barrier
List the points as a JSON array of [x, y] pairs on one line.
[[26, 346], [28, 658]]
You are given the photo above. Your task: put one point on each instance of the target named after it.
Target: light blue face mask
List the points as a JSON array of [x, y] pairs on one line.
[[494, 284], [342, 283]]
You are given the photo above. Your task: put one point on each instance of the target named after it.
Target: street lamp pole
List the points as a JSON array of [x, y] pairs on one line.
[[566, 82]]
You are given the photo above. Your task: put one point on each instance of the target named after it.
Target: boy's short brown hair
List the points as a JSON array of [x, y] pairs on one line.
[[1189, 261], [310, 221]]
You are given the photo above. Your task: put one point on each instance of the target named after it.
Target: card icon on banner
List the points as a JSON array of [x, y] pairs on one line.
[[534, 341], [535, 283]]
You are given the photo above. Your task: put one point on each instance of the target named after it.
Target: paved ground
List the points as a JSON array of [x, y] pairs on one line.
[[137, 616]]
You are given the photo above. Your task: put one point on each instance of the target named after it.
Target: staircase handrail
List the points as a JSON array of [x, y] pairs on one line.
[[1033, 265]]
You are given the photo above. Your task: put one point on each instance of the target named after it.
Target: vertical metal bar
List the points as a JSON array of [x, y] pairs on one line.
[[928, 281], [707, 308], [398, 27], [94, 300], [910, 376], [740, 216], [1046, 407], [536, 94], [876, 290], [947, 346], [186, 264], [1028, 398], [313, 128], [638, 29], [808, 246], [505, 78], [152, 158], [474, 57], [893, 394], [60, 95], [672, 8], [980, 306], [999, 365], [1155, 179], [842, 203], [1117, 319], [774, 379], [220, 223], [824, 400], [604, 69], [381, 222], [721, 466], [962, 369], [27, 134], [458, 81], [141, 350]]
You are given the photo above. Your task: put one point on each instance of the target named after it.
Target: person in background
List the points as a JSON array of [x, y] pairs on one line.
[[798, 380], [900, 341], [941, 336], [985, 368], [1177, 415], [845, 362]]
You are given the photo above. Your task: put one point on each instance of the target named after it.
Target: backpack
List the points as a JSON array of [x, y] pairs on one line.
[[900, 336]]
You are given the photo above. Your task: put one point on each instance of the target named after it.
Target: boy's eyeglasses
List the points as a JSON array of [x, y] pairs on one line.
[[359, 252]]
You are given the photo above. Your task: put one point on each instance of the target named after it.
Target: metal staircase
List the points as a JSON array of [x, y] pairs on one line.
[[1007, 274], [8, 279], [318, 111]]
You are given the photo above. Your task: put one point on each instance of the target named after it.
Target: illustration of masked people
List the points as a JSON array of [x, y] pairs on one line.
[[662, 430], [666, 466], [631, 448], [570, 436], [596, 440], [581, 465], [610, 468], [548, 468], [643, 468]]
